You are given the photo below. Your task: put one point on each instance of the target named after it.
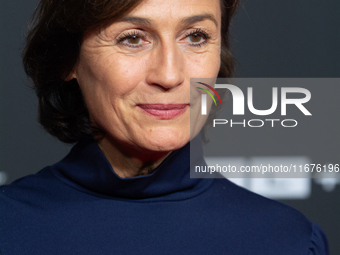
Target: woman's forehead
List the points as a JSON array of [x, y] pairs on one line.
[[175, 11]]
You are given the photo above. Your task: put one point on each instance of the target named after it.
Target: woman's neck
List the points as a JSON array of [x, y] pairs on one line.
[[129, 162]]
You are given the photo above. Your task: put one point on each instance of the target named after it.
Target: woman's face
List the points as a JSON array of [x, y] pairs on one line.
[[135, 74]]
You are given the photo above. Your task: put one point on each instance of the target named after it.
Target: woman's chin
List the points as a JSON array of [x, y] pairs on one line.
[[165, 140]]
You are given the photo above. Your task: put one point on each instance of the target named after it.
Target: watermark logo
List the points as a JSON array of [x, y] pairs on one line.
[[204, 97], [239, 104]]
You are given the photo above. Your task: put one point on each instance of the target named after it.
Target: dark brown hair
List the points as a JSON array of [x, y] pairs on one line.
[[52, 49]]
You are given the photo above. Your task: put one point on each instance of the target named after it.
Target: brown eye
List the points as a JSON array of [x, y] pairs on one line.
[[134, 39], [195, 38]]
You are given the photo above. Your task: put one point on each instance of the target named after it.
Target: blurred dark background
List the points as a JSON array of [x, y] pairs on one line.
[[270, 38]]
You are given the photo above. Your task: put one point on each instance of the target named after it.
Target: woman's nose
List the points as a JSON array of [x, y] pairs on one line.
[[166, 67]]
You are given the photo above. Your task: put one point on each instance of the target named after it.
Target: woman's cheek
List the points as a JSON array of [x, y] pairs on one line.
[[128, 69], [205, 65]]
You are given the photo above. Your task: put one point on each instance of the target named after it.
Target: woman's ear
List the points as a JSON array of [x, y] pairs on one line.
[[72, 75]]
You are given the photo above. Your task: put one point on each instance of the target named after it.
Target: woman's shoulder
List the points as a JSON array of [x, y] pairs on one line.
[[41, 179], [31, 192], [24, 186], [267, 219], [240, 197], [247, 203]]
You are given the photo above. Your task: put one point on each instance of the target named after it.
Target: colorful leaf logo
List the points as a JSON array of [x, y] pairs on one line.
[[208, 92]]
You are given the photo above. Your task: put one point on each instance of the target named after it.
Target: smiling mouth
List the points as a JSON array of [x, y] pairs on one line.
[[164, 111]]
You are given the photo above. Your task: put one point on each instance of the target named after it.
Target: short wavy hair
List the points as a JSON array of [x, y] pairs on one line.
[[52, 49]]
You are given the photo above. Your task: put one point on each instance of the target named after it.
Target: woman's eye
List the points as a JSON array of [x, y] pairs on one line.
[[133, 40], [195, 38]]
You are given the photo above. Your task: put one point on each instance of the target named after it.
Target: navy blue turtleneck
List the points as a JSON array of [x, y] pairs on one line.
[[80, 206]]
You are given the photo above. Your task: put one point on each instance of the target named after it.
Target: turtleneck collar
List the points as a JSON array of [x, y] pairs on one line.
[[87, 169]]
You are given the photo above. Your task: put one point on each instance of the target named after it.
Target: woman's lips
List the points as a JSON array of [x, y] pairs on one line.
[[164, 111]]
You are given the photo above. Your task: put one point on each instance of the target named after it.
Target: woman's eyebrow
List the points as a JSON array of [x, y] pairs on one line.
[[196, 18], [186, 21], [136, 20]]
